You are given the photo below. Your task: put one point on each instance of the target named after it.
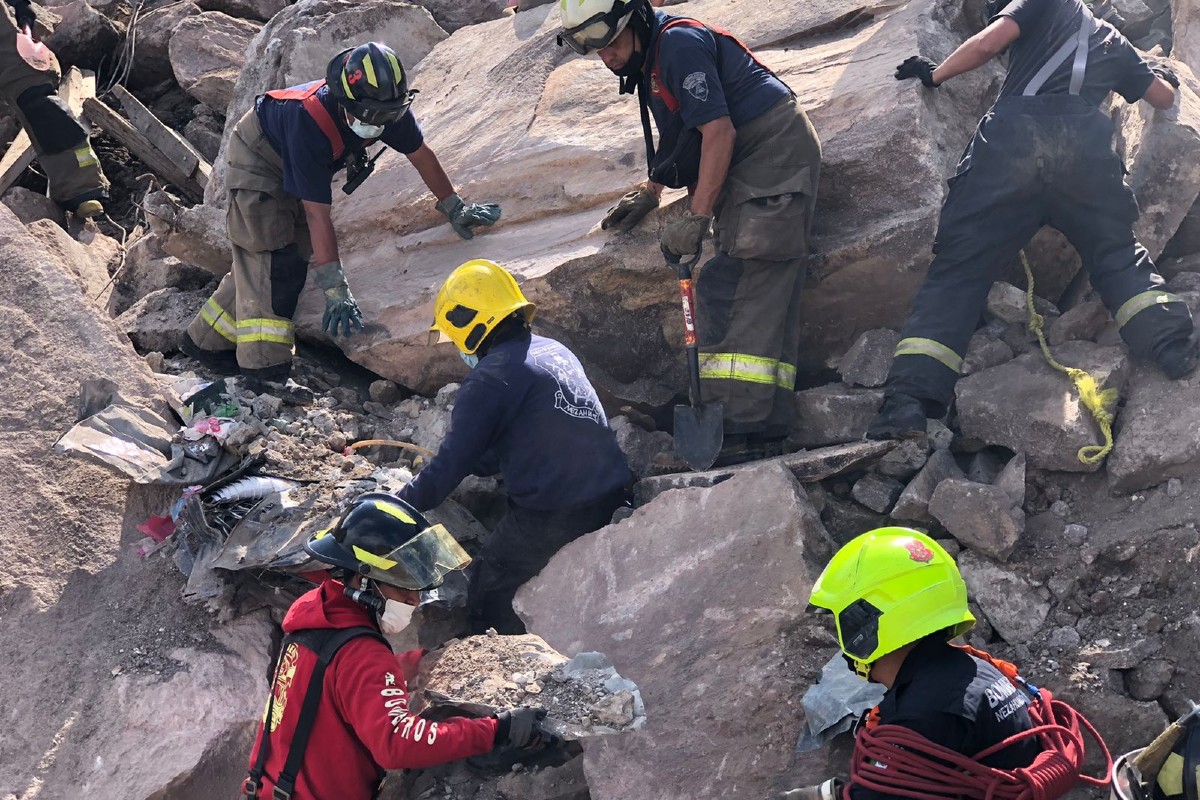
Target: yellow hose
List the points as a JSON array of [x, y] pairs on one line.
[[392, 443]]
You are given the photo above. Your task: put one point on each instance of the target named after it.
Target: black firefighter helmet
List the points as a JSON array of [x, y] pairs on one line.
[[370, 82]]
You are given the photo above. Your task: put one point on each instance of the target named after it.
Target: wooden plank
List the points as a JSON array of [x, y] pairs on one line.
[[75, 87], [172, 145], [161, 164]]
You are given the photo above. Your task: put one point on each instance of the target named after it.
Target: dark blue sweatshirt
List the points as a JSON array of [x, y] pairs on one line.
[[529, 407]]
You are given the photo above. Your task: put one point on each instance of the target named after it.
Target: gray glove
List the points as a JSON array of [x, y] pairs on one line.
[[341, 311], [522, 728], [463, 217], [630, 209]]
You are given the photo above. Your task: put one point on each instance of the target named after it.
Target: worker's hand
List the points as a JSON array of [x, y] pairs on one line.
[[918, 67], [341, 311], [829, 790], [1166, 73], [631, 209], [683, 236], [463, 217], [522, 728], [27, 19]]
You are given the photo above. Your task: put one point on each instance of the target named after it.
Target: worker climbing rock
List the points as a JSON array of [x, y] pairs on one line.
[[1042, 155], [897, 600], [29, 78], [732, 133], [527, 411], [337, 714], [282, 157]]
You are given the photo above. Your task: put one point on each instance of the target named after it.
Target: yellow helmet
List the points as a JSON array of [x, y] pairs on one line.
[[477, 297], [890, 587]]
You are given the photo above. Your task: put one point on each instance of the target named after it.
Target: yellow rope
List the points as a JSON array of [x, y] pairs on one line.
[[1098, 400]]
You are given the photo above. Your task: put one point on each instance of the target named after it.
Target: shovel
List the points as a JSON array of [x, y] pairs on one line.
[[699, 428]]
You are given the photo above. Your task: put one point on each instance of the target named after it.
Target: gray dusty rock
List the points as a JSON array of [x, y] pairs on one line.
[[1011, 602], [1006, 302], [84, 36], [385, 392], [834, 414], [158, 320], [1012, 480], [1157, 438], [204, 131], [1185, 31], [868, 361], [30, 206], [1084, 321], [846, 519], [877, 492], [194, 235], [1122, 654], [455, 14], [906, 460], [913, 504], [1149, 679], [658, 593], [154, 27], [1185, 282], [148, 269], [261, 10], [90, 259], [1186, 240], [984, 352], [207, 53], [981, 517], [1126, 724], [1025, 405], [985, 465], [639, 445]]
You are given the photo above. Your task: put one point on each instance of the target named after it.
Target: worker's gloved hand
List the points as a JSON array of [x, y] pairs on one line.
[[631, 209], [522, 728], [463, 217], [26, 18], [683, 236], [829, 790], [1166, 73], [341, 312], [918, 67]]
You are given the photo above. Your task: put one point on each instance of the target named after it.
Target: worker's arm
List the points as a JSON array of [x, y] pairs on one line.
[[979, 49], [431, 172], [1161, 94], [716, 151], [320, 228]]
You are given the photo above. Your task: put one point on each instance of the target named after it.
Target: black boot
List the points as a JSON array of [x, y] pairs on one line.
[[1178, 359], [275, 381], [222, 361], [901, 417]]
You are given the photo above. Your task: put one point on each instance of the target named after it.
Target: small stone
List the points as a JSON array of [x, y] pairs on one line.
[[154, 360], [384, 392], [1060, 509], [1007, 302], [1062, 586], [1149, 680], [877, 492], [985, 352], [336, 442], [1174, 487], [914, 500], [1063, 639], [534, 688], [868, 361], [1154, 622], [323, 422], [446, 396], [1101, 601], [1075, 535], [940, 436], [906, 460]]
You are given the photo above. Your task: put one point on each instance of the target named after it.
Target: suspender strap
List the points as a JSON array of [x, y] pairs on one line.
[[253, 784], [307, 95], [1079, 68], [1079, 45], [649, 134]]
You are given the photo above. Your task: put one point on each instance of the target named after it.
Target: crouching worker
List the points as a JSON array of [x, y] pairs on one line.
[[954, 722], [337, 685], [528, 411]]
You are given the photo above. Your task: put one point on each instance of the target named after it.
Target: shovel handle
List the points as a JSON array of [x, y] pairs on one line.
[[687, 294]]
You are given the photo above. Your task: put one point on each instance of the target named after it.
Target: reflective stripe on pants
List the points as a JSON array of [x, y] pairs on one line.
[[752, 369], [917, 346]]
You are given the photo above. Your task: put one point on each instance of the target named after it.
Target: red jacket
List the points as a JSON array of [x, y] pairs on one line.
[[362, 726]]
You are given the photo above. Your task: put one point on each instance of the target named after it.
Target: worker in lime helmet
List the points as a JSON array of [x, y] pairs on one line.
[[283, 155], [897, 599], [527, 411], [338, 712]]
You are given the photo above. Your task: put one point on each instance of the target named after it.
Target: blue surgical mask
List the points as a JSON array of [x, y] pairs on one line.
[[364, 131], [470, 359]]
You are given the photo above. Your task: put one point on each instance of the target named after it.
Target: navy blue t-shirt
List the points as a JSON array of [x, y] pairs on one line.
[[308, 165], [528, 407], [709, 75]]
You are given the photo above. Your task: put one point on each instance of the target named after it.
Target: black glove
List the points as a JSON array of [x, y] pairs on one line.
[[1166, 73], [522, 728], [26, 18], [918, 67]]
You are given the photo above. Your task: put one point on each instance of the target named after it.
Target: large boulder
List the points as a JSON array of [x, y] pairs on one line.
[[207, 53], [261, 10], [1158, 436], [1015, 606], [1185, 30], [84, 37], [153, 30], [455, 14], [721, 669]]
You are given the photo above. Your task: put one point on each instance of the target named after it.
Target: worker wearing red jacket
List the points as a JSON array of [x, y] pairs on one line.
[[337, 684]]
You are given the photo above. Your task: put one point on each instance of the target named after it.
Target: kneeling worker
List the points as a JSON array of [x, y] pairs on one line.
[[528, 411], [337, 684]]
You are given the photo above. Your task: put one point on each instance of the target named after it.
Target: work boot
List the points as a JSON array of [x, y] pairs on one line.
[[222, 361], [901, 417], [89, 208], [87, 205], [287, 390], [1178, 359]]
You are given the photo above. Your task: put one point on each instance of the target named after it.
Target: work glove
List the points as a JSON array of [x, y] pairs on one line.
[[630, 209], [463, 217], [341, 312], [918, 67], [829, 790], [522, 728], [683, 236], [1166, 73], [26, 18]]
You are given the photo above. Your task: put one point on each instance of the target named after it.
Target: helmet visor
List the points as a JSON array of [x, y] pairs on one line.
[[380, 114], [420, 563], [594, 33]]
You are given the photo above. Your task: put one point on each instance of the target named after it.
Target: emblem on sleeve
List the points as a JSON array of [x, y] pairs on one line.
[[696, 85]]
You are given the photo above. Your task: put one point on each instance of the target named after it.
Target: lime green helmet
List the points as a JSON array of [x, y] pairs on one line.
[[890, 587]]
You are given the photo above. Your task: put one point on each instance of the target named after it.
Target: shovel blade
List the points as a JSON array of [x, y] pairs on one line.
[[699, 434]]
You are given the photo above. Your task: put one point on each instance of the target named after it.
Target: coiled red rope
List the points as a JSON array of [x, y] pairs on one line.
[[899, 761]]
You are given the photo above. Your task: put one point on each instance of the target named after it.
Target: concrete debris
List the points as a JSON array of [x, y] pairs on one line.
[[981, 517], [148, 269], [204, 131], [868, 361], [846, 519], [1012, 603], [208, 51], [834, 414], [877, 492], [1084, 321], [913, 503], [1008, 303]]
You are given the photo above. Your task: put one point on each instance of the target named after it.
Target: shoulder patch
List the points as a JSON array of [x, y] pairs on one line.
[[696, 85]]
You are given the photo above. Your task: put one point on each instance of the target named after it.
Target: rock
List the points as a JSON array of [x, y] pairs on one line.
[[158, 320], [981, 517], [194, 235], [985, 465], [1125, 654], [1006, 302], [640, 446], [1149, 679], [877, 492], [1126, 724], [906, 460], [90, 258], [985, 352], [913, 503], [1075, 535], [1185, 282], [1027, 406], [261, 10], [1158, 438], [940, 437], [85, 37], [1185, 31], [675, 624], [868, 361], [567, 782], [845, 519], [207, 53], [204, 131], [385, 392], [1084, 321], [1012, 480], [1063, 639], [834, 414], [1011, 602], [455, 14], [30, 206], [151, 57], [148, 269], [1186, 241]]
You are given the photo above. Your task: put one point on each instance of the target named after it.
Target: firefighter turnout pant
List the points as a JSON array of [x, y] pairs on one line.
[[251, 311], [748, 295], [1034, 160], [60, 140]]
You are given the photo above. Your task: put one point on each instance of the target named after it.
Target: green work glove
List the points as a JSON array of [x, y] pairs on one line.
[[631, 209], [340, 309], [683, 236], [463, 217]]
